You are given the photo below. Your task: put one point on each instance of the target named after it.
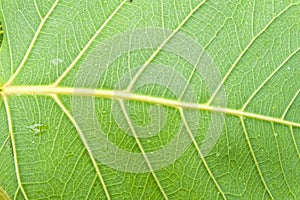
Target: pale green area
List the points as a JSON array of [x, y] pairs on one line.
[[248, 42]]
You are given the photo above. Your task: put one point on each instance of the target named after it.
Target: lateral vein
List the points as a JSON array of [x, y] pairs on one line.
[[201, 155], [142, 149], [254, 159], [36, 35], [140, 71], [60, 104], [85, 48], [245, 50], [13, 143]]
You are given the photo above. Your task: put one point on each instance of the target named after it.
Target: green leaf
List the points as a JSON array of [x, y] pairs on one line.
[[1, 34], [149, 99]]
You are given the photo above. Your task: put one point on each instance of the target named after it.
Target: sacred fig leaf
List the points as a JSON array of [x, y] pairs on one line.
[[149, 99]]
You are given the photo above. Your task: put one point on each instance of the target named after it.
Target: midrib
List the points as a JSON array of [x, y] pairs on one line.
[[118, 94]]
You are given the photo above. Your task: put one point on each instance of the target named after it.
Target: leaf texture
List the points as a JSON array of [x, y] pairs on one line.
[[201, 99]]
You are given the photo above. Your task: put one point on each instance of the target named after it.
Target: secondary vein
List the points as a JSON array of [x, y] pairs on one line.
[[60, 104], [140, 71], [13, 143], [245, 50], [85, 48], [36, 35]]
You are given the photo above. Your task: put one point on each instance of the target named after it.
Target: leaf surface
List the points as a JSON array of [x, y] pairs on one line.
[[234, 113]]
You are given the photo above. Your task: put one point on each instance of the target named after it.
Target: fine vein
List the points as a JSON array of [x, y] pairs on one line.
[[4, 143], [38, 10]]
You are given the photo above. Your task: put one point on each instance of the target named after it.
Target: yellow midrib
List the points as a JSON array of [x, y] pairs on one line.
[[117, 94]]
